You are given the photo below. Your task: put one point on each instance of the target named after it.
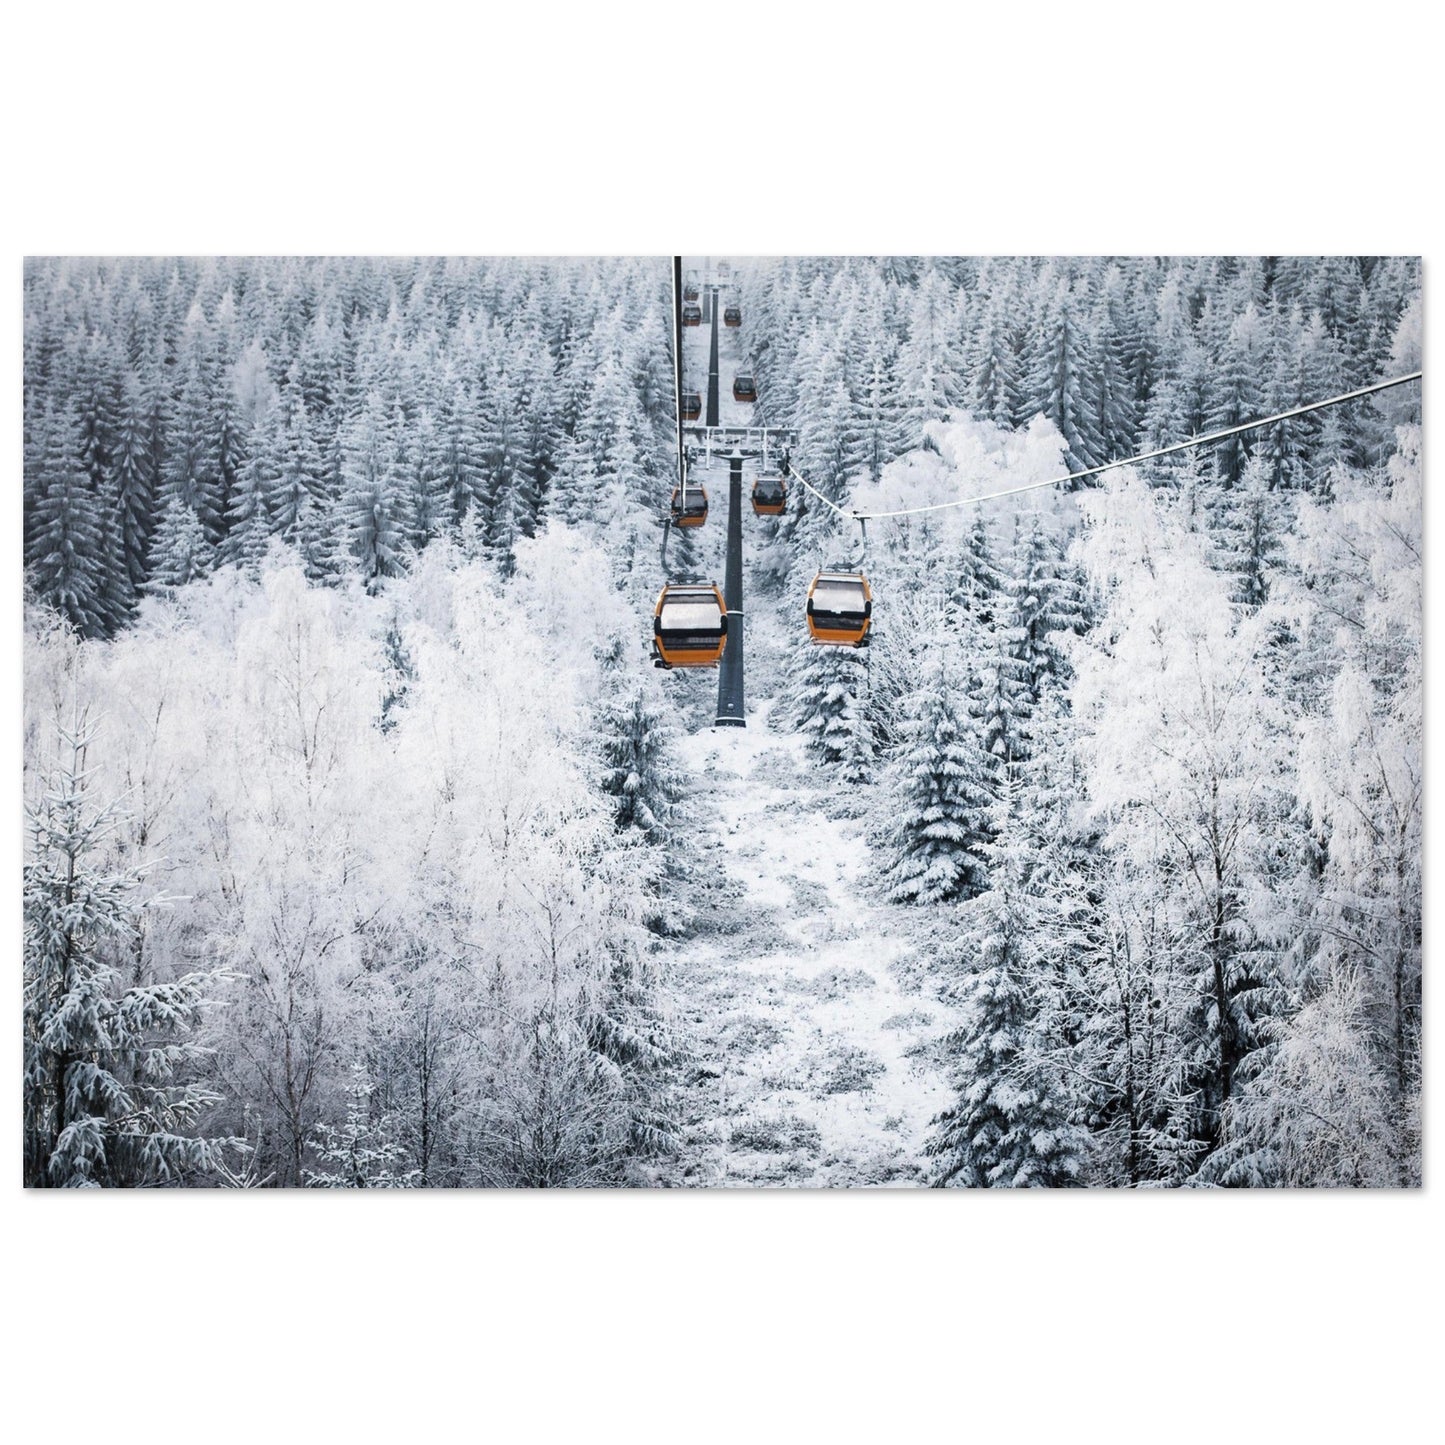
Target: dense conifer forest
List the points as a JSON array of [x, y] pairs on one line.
[[365, 848]]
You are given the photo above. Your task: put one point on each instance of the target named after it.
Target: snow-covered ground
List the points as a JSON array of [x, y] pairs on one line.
[[810, 1061]]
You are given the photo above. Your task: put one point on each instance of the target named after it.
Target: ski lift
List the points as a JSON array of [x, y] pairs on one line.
[[689, 625], [840, 609], [691, 406], [689, 506], [770, 496], [692, 315], [732, 315], [744, 388]]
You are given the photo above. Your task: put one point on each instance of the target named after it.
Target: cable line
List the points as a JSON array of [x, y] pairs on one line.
[[1198, 441]]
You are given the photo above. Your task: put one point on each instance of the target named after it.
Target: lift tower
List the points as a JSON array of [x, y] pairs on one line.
[[730, 713], [712, 366]]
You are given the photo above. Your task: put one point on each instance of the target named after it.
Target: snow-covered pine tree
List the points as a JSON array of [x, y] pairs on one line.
[[425, 467], [828, 696], [639, 771], [930, 356], [377, 500], [1043, 602], [362, 1153], [248, 521], [107, 1097], [179, 550], [940, 798], [135, 478], [1060, 369], [1002, 705], [1011, 1125], [64, 562], [1251, 526], [974, 582], [192, 469], [1237, 393]]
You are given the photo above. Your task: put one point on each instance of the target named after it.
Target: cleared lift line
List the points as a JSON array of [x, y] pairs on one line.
[[1199, 441]]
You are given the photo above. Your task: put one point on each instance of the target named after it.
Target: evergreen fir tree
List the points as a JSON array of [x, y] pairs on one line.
[[828, 696], [1059, 380], [1010, 1126], [192, 471], [377, 500], [134, 477], [940, 799], [1042, 603], [107, 1101], [179, 551], [298, 477], [363, 1153], [430, 504], [1252, 542], [64, 563], [1237, 394], [248, 520], [975, 582], [639, 771]]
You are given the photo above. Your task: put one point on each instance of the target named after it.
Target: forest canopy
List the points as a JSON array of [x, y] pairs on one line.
[[330, 883]]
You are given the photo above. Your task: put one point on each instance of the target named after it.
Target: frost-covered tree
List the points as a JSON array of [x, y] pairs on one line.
[[135, 477], [828, 695], [179, 550], [1010, 1126], [639, 772], [939, 796], [111, 1096], [377, 500], [1185, 766], [974, 578], [362, 1153], [64, 559]]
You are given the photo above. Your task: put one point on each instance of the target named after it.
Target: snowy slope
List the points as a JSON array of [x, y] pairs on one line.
[[810, 1062]]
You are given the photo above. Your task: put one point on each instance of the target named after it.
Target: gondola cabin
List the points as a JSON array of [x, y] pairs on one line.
[[770, 496], [691, 406], [744, 388], [732, 316], [689, 625], [689, 292], [723, 270], [689, 506], [692, 315], [840, 608]]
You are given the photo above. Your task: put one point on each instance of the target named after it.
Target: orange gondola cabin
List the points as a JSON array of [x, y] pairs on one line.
[[840, 609], [770, 496], [744, 388], [689, 625], [689, 506], [692, 315], [691, 406], [733, 316], [689, 292]]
